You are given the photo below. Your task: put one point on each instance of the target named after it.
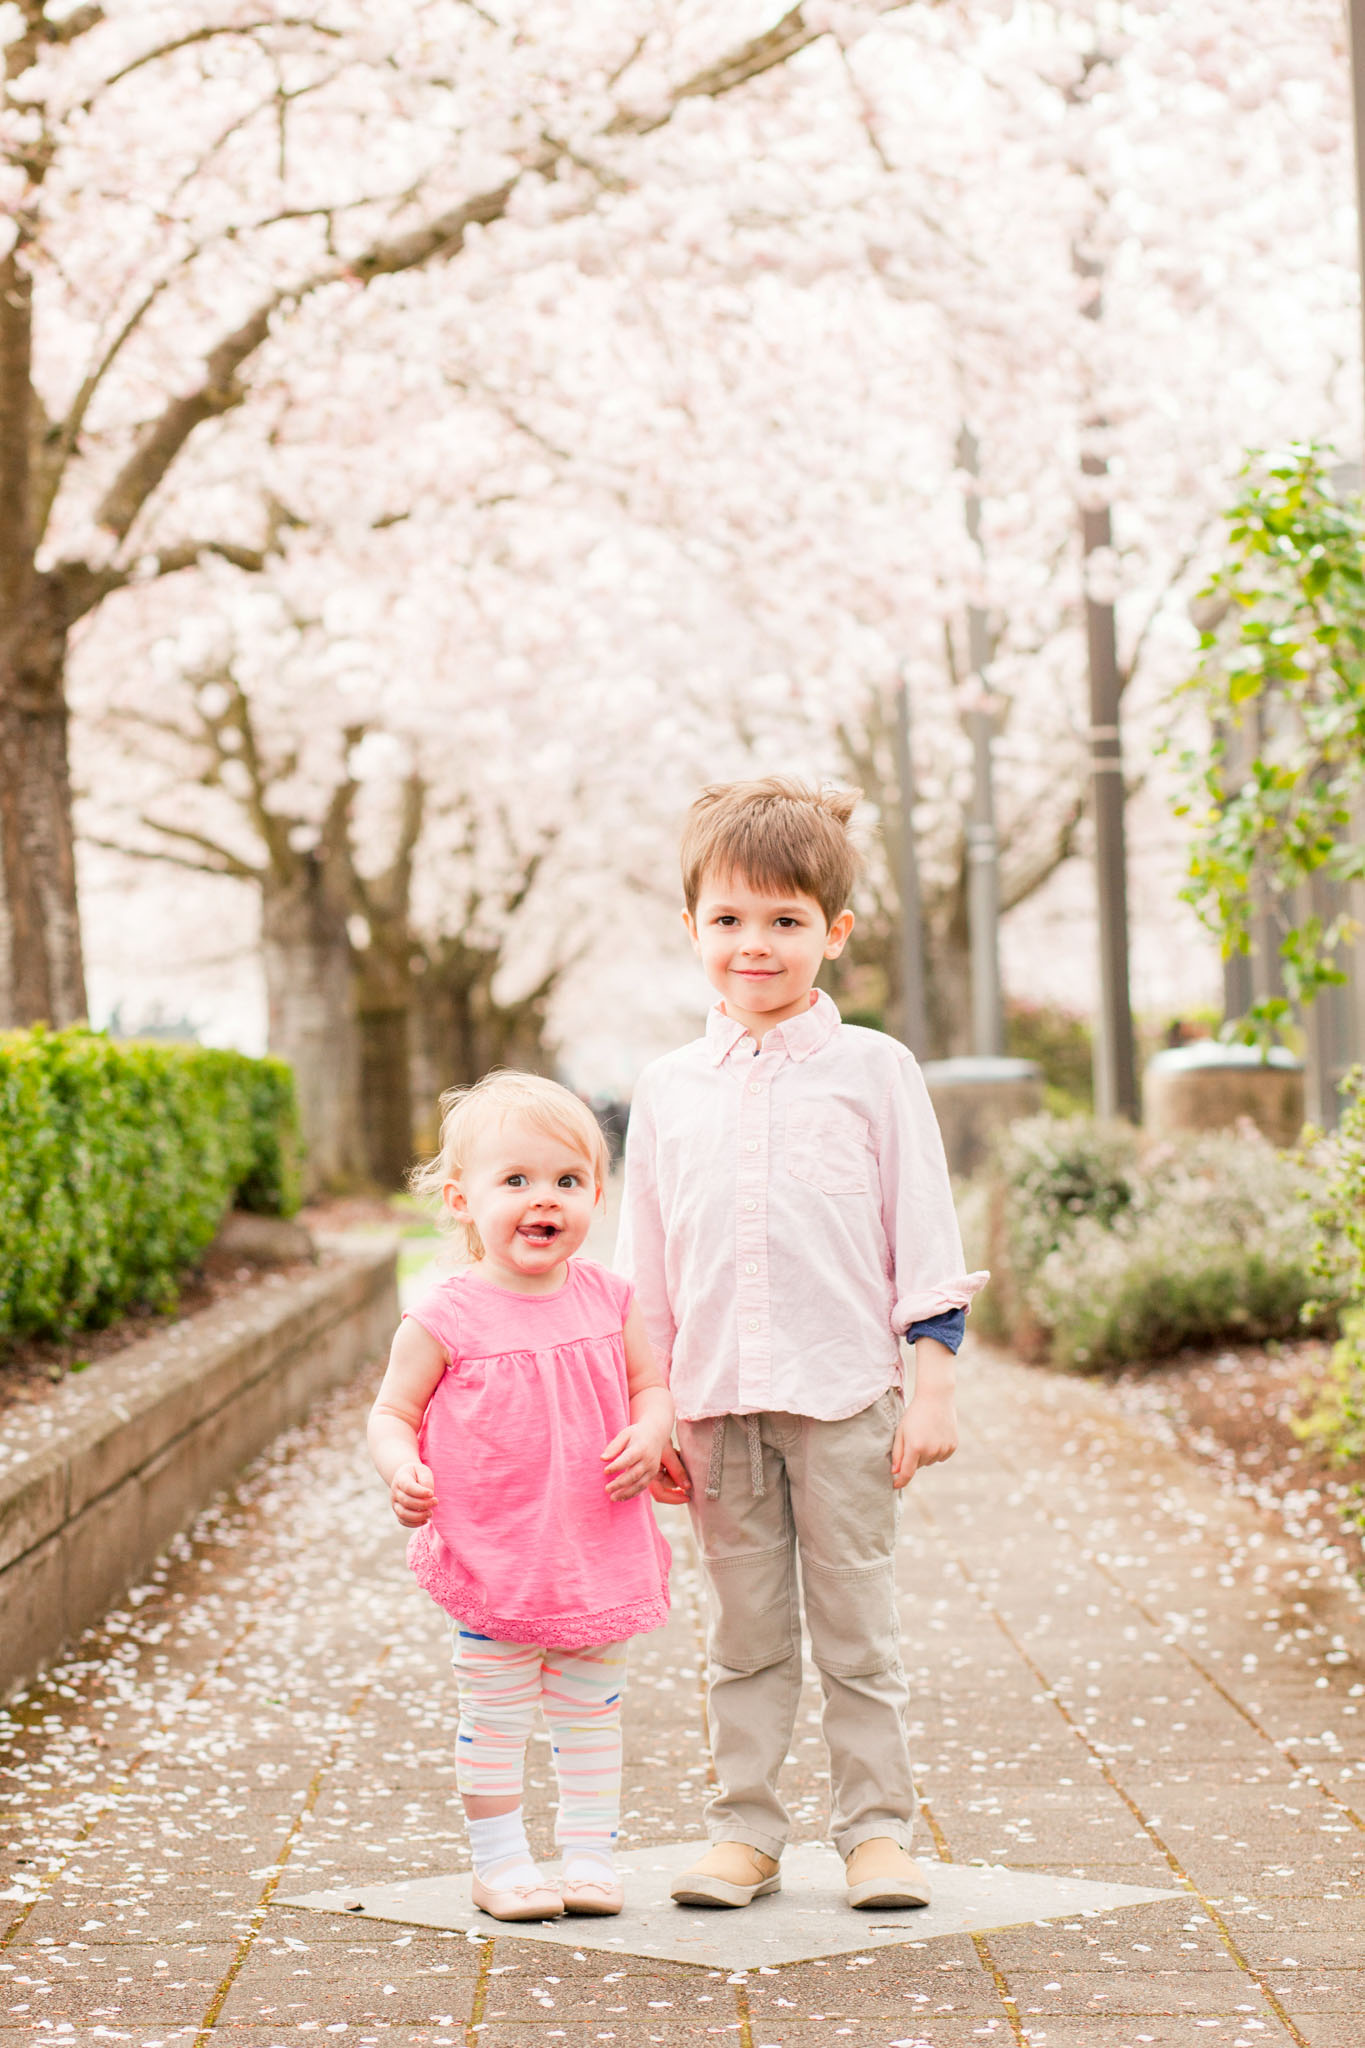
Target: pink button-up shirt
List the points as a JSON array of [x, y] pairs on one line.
[[787, 1215]]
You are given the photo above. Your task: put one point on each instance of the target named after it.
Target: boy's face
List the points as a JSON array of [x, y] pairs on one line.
[[762, 952]]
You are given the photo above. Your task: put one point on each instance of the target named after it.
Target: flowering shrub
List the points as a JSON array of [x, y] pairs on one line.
[[117, 1161], [1113, 1253]]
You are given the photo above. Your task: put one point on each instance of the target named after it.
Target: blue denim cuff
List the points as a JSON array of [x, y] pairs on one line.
[[949, 1329]]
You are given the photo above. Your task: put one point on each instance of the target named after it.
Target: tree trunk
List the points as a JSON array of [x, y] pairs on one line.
[[41, 975], [383, 995], [949, 971], [460, 1030], [310, 993], [865, 978], [48, 852], [386, 1095]]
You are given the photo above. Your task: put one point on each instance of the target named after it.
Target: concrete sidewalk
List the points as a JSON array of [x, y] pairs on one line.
[[1120, 1671]]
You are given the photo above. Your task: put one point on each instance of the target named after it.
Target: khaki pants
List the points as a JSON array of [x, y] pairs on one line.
[[826, 1494]]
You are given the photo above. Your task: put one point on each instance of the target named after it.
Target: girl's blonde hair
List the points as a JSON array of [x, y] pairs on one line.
[[467, 1111]]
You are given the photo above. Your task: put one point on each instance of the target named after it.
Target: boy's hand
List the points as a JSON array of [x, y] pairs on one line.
[[672, 1485], [632, 1459], [926, 1435], [413, 1495]]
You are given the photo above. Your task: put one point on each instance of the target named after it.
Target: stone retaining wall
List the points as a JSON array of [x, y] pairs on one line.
[[95, 1481]]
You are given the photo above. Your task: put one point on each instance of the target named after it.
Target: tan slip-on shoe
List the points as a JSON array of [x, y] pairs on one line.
[[518, 1901], [883, 1875], [729, 1874], [592, 1894]]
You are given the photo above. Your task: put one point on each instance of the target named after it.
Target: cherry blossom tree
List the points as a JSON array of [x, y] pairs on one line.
[[662, 471], [179, 180]]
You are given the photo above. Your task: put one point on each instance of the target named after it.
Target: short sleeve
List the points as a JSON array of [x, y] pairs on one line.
[[614, 1287], [436, 1311]]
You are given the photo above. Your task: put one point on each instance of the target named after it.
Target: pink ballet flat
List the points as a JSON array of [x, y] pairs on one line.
[[592, 1895], [518, 1901]]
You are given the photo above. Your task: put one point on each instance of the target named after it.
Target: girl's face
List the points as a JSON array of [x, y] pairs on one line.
[[531, 1196]]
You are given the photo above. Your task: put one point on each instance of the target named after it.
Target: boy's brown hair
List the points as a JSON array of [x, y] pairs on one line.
[[779, 834]]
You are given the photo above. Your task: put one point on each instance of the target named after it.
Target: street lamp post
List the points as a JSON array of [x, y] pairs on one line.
[[914, 1018], [983, 845], [1116, 1084], [1356, 16], [1355, 13]]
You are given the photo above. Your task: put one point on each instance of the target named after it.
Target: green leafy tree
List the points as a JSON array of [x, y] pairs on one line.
[[1335, 1421], [1275, 798], [1277, 804]]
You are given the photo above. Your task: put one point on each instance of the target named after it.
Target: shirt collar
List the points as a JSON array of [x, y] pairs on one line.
[[799, 1037]]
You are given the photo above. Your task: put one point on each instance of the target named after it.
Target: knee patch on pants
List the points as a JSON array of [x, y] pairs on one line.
[[851, 1615], [750, 1596]]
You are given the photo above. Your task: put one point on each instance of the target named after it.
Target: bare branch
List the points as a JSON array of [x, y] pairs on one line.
[[618, 72], [157, 449], [866, 113], [198, 35], [78, 23], [272, 829], [219, 862], [1031, 875], [1130, 667], [58, 451], [761, 53], [84, 587], [146, 721]]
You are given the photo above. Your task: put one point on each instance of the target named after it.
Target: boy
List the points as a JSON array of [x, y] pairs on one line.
[[787, 1217]]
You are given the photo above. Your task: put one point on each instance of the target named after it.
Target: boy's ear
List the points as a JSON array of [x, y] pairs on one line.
[[691, 924], [838, 934]]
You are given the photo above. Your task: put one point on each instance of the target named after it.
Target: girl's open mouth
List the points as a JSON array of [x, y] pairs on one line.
[[538, 1233]]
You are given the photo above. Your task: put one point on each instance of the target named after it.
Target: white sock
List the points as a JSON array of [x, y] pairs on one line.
[[589, 1863], [502, 1854]]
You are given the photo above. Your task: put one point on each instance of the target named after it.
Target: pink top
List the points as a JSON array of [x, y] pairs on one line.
[[787, 1215], [524, 1545]]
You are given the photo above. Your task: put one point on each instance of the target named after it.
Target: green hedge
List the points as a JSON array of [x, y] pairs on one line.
[[118, 1159]]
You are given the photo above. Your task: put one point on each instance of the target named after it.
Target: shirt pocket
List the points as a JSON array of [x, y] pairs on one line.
[[829, 1147]]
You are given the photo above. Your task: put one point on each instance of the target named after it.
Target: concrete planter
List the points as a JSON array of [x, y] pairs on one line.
[[974, 1098], [1210, 1086], [94, 1482]]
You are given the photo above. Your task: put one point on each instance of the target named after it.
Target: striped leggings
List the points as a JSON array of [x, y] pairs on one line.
[[579, 1693]]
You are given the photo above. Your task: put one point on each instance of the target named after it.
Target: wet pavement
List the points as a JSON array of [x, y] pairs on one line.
[[1120, 1672]]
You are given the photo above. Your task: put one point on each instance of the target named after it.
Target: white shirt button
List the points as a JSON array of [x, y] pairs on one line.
[[755, 1087], [752, 1145], [751, 1205], [750, 1266], [753, 1322]]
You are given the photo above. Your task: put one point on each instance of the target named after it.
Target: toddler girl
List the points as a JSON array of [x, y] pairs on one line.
[[520, 1421]]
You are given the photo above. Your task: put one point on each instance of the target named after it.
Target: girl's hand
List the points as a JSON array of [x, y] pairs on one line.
[[927, 1434], [672, 1484], [632, 1459], [413, 1495]]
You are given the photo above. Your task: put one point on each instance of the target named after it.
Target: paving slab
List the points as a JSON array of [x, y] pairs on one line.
[[809, 1917]]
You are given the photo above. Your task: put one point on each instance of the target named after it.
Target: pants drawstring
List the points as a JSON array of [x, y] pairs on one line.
[[715, 1465]]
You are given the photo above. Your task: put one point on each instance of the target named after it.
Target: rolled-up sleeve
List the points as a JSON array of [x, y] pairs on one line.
[[640, 1234], [949, 1328], [928, 1268]]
